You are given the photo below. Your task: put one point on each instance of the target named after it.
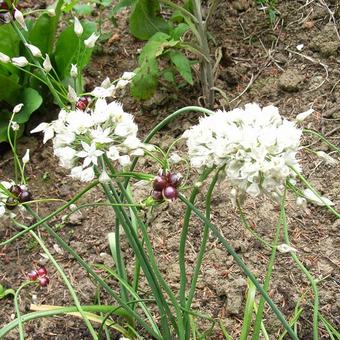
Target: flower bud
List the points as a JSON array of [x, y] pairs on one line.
[[303, 115], [90, 42], [51, 12], [17, 108], [78, 28], [20, 61], [327, 158], [4, 58], [47, 64], [26, 157], [72, 95], [15, 126], [34, 50], [20, 19], [74, 71]]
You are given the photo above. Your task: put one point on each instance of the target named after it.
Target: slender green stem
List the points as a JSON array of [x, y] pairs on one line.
[[17, 308], [48, 217], [310, 278], [320, 136], [259, 314], [62, 274], [241, 264]]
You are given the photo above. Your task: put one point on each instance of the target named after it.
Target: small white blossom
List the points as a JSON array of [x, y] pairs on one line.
[[26, 157], [78, 28], [285, 248], [20, 19], [4, 58], [71, 94], [47, 129], [303, 115], [104, 178], [74, 71], [34, 50], [15, 126], [90, 42], [17, 108], [51, 12], [301, 202], [90, 154], [128, 75], [20, 61], [47, 63], [327, 158]]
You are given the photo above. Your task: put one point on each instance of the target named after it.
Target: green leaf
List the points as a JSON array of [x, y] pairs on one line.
[[182, 64], [9, 44], [70, 50], [168, 75], [145, 20], [32, 101], [9, 89], [144, 83], [83, 9], [4, 292], [178, 31], [122, 4]]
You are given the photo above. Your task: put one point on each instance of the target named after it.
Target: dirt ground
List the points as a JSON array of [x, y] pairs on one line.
[[260, 63]]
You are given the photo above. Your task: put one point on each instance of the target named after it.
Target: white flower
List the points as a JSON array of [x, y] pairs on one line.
[[106, 89], [2, 209], [303, 115], [112, 153], [34, 50], [26, 157], [20, 19], [285, 248], [51, 12], [66, 156], [104, 177], [78, 28], [90, 154], [90, 42], [15, 126], [175, 158], [124, 160], [20, 61], [47, 63], [4, 58], [85, 175], [74, 71], [101, 136], [47, 129], [301, 202], [327, 158], [122, 83], [312, 197], [256, 146]]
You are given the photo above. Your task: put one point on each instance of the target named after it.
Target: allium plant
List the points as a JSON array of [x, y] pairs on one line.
[[254, 149]]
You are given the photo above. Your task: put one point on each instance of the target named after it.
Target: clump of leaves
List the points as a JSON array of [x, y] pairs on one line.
[[5, 292], [271, 7], [163, 55]]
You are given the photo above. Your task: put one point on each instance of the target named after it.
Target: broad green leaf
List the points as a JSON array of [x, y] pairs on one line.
[[145, 81], [71, 49], [168, 75], [9, 89], [9, 44], [182, 64], [145, 20], [122, 4], [31, 100]]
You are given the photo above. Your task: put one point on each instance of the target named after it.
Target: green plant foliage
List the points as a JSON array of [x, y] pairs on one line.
[[4, 292], [145, 19], [69, 48]]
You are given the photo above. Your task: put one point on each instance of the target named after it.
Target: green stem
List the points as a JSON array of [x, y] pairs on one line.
[[320, 136], [63, 276], [310, 278], [48, 217], [241, 264], [17, 308], [259, 314]]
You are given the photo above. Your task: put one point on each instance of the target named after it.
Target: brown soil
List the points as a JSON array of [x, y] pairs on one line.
[[258, 63]]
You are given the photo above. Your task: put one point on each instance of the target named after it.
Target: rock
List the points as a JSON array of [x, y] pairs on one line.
[[290, 81], [240, 5], [326, 43]]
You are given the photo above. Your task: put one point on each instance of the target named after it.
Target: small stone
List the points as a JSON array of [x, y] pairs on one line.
[[290, 81]]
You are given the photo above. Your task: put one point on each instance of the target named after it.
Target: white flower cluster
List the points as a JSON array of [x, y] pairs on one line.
[[256, 146], [80, 137]]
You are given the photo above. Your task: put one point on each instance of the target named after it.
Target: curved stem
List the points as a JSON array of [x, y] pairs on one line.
[[324, 139], [241, 264]]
